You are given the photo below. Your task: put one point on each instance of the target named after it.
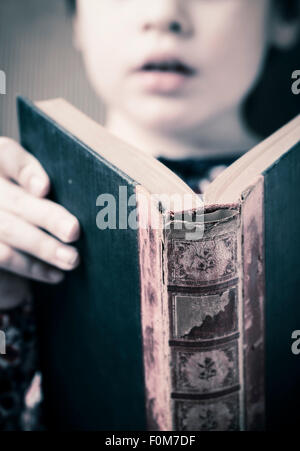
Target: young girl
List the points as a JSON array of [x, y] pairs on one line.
[[175, 76]]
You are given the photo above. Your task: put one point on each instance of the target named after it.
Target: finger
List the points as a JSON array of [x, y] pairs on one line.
[[35, 242], [17, 164], [26, 266], [41, 212]]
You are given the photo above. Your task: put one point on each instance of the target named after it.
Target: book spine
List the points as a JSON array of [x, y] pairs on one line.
[[206, 325], [154, 315], [253, 269]]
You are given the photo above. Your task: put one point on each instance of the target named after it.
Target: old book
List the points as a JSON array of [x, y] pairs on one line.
[[181, 320]]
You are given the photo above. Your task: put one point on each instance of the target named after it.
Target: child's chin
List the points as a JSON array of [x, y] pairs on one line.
[[163, 113], [162, 121]]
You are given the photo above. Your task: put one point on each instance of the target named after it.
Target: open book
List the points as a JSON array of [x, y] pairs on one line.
[[181, 314]]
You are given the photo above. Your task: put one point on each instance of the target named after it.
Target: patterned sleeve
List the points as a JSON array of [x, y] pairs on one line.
[[18, 365]]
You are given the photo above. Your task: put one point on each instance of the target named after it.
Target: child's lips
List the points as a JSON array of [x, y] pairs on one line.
[[156, 82], [163, 74]]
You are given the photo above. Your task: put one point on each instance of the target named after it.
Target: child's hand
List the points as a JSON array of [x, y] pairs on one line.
[[25, 249]]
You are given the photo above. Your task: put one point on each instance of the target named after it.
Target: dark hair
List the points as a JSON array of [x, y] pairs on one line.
[[71, 5], [271, 104], [289, 9]]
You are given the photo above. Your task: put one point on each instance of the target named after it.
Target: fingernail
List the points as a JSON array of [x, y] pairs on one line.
[[67, 256], [55, 276], [69, 229], [37, 186]]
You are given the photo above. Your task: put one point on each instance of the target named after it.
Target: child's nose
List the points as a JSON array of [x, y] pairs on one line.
[[168, 16]]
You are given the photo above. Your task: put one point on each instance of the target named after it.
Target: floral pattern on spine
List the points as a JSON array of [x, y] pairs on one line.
[[206, 371], [201, 262], [216, 415]]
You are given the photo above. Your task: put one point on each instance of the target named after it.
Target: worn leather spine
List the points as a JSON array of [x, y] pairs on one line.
[[205, 314]]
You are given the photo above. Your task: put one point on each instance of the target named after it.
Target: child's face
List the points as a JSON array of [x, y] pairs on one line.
[[221, 44]]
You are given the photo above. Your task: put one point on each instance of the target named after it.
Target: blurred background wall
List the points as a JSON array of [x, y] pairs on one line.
[[37, 56]]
